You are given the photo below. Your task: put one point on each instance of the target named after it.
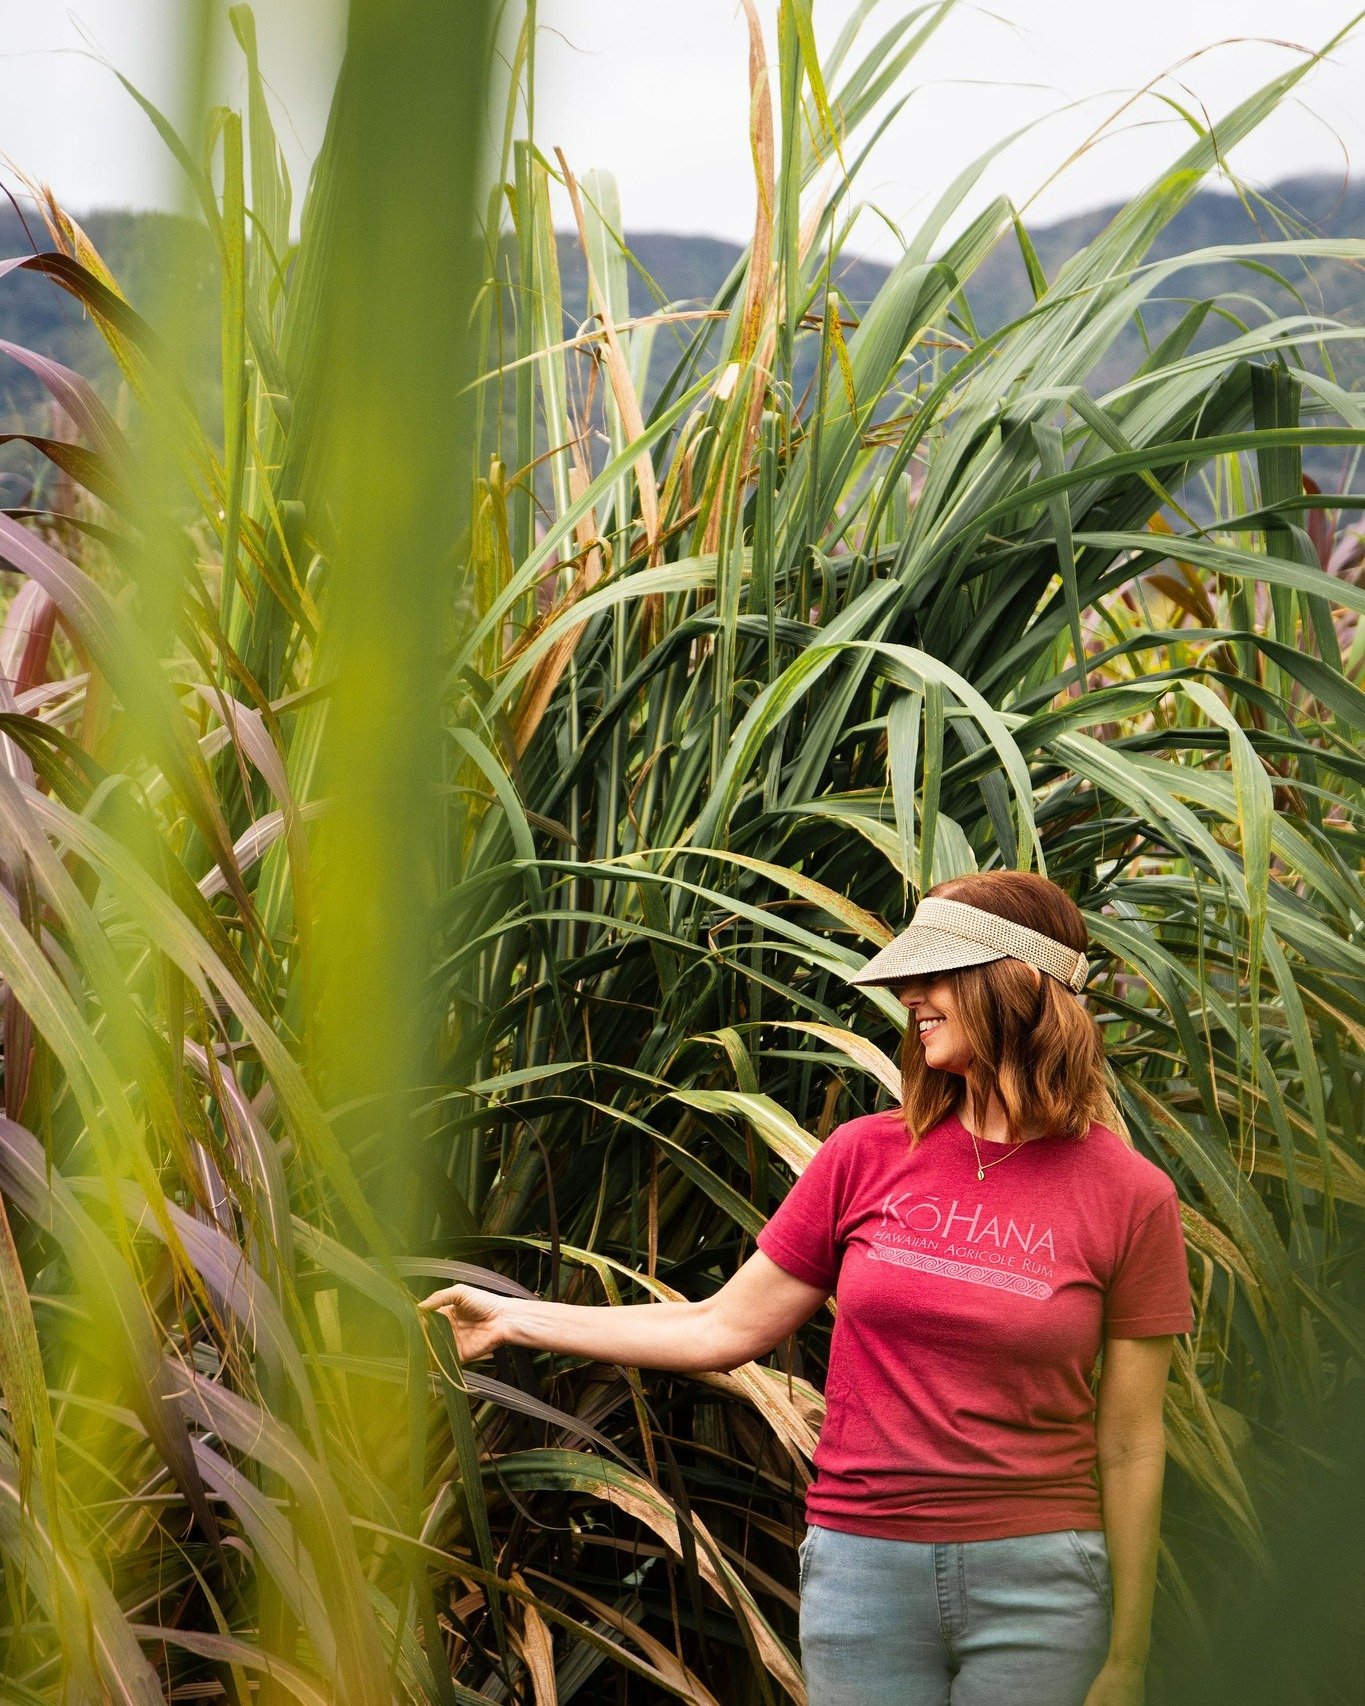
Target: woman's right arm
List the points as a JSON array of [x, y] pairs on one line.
[[750, 1314]]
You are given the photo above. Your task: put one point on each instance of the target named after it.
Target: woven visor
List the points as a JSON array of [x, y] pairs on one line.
[[945, 935]]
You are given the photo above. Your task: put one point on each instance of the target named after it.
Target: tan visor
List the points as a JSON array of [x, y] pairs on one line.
[[945, 935]]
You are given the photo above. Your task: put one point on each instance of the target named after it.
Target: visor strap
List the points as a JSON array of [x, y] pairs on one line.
[[989, 930]]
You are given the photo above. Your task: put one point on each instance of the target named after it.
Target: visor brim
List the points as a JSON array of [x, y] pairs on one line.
[[921, 951]]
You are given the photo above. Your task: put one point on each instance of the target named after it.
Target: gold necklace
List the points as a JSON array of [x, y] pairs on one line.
[[980, 1165]]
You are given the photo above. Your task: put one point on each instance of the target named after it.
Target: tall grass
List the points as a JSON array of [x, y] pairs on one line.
[[435, 836]]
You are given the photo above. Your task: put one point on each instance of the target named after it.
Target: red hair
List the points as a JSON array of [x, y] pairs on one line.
[[1033, 1042]]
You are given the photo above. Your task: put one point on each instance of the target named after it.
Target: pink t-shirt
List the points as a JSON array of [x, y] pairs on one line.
[[969, 1315]]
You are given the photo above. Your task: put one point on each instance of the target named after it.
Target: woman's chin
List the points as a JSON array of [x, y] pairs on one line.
[[941, 1059]]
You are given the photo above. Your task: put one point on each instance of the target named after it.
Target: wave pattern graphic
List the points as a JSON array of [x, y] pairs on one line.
[[997, 1277]]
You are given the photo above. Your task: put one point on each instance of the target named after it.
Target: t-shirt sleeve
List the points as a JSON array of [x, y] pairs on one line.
[[1149, 1293], [803, 1235]]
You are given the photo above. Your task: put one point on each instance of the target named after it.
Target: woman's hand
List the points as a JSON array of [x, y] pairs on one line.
[[477, 1319], [1117, 1684]]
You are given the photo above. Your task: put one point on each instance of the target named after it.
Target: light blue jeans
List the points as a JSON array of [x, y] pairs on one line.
[[1017, 1622]]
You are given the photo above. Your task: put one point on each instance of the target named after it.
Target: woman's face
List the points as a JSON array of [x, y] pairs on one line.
[[933, 1012]]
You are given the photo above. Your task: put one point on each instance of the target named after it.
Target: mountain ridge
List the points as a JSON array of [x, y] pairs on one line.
[[690, 268]]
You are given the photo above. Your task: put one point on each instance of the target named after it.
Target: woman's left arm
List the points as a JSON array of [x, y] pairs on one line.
[[1130, 1441]]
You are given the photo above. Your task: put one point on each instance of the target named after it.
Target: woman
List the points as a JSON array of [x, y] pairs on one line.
[[982, 1528]]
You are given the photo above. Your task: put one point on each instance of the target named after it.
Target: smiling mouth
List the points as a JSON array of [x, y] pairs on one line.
[[926, 1025]]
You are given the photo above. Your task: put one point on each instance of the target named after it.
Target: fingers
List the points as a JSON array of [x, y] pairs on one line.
[[441, 1299]]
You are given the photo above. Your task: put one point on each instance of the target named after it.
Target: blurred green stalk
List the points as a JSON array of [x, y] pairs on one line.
[[389, 358]]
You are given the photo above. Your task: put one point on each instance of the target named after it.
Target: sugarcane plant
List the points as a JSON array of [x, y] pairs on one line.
[[445, 789]]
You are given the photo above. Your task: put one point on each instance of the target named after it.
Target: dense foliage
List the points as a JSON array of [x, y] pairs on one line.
[[439, 810]]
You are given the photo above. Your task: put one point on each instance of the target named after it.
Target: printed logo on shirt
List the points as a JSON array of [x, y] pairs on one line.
[[944, 1237]]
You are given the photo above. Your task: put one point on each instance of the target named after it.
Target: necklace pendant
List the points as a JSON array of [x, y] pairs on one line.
[[980, 1173]]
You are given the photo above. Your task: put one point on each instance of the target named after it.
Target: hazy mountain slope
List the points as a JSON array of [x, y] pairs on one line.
[[691, 269]]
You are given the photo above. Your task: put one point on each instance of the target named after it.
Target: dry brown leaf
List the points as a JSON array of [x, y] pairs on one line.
[[535, 1648], [544, 677], [647, 1508], [670, 1668], [765, 1389], [618, 374]]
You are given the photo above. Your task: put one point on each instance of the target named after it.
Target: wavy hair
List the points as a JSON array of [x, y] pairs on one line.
[[1034, 1044]]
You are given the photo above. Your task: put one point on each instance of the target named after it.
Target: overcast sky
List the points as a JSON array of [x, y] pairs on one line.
[[656, 91]]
